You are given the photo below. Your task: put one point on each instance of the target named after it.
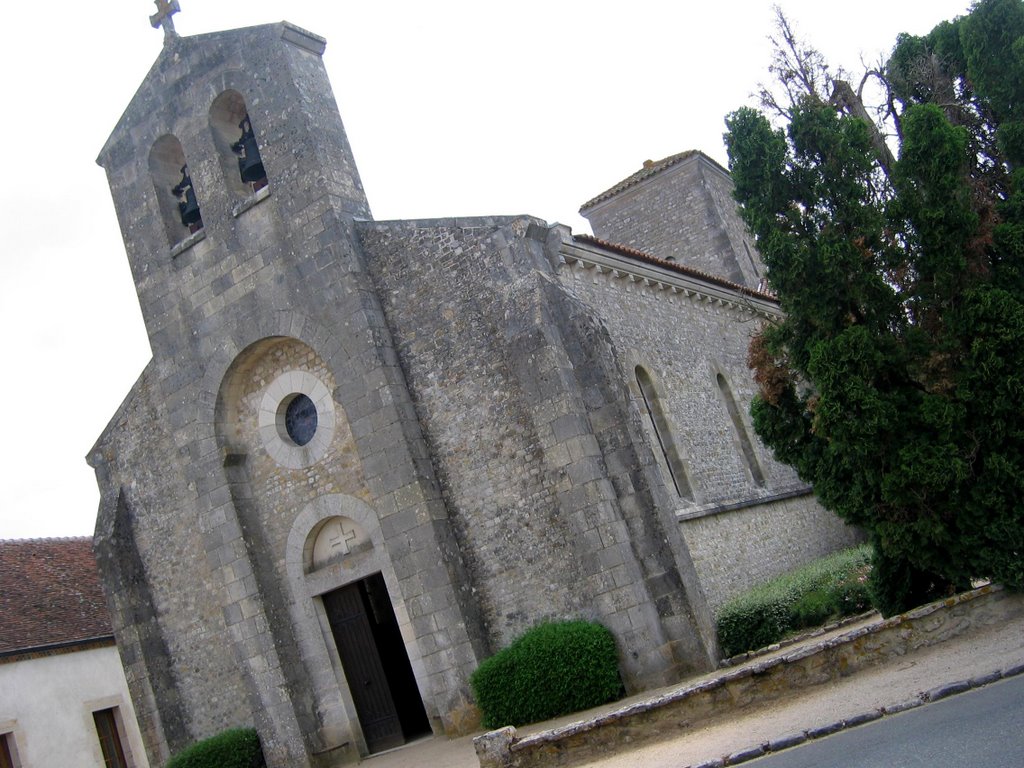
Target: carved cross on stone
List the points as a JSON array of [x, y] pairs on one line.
[[340, 538], [162, 18]]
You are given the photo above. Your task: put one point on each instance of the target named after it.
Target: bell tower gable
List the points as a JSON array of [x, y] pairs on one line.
[[226, 168]]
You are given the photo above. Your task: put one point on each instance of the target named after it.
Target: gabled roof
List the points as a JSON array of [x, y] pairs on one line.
[[171, 65], [651, 168], [50, 595]]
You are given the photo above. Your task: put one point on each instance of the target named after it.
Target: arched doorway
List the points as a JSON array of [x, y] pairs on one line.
[[376, 664]]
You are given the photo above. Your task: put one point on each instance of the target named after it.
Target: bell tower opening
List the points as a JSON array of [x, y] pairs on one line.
[[376, 664], [175, 193], [237, 147]]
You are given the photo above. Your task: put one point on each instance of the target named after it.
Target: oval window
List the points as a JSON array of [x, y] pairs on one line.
[[300, 419]]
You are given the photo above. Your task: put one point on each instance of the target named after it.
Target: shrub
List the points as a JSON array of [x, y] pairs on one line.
[[896, 585], [554, 669], [234, 748], [827, 589]]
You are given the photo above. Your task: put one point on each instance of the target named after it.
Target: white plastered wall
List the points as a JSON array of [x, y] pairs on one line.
[[47, 704]]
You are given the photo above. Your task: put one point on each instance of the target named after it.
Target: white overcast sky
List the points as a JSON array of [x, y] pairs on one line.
[[452, 109]]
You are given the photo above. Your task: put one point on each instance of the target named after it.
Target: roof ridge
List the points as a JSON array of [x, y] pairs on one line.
[[42, 539], [650, 168]]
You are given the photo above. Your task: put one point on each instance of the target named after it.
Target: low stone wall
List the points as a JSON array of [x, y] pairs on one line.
[[758, 680]]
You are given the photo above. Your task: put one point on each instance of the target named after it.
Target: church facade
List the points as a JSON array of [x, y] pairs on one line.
[[367, 455]]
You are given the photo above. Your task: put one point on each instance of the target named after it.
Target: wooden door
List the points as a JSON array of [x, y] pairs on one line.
[[360, 658]]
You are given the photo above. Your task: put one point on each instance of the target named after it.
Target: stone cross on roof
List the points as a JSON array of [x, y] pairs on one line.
[[162, 18]]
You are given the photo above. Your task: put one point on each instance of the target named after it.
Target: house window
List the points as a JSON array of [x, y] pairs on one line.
[[110, 738], [7, 751], [673, 461]]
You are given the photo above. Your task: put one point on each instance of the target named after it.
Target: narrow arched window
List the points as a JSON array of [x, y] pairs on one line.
[[175, 192], [237, 146], [746, 447], [672, 461]]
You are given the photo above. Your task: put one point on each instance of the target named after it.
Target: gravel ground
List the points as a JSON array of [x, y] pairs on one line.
[[902, 681]]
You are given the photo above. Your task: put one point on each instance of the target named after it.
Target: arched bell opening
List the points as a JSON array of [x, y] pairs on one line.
[[175, 192], [237, 144]]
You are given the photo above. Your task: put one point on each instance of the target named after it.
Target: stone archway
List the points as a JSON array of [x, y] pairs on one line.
[[357, 622]]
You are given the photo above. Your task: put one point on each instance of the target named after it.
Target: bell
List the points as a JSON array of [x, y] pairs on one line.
[[188, 208], [250, 164]]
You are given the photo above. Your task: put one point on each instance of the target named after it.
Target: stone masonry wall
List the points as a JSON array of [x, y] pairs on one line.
[[443, 294], [685, 213], [174, 643], [684, 342], [734, 550], [279, 491], [532, 443]]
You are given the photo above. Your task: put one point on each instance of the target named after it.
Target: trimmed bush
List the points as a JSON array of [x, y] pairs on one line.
[[234, 748], [822, 591], [554, 669]]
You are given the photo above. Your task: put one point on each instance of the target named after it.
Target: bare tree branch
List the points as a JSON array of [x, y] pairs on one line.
[[800, 70], [846, 101]]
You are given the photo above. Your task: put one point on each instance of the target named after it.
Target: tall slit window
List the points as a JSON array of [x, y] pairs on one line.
[[673, 462], [746, 447]]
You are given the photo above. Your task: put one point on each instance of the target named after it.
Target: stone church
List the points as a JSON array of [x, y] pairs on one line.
[[368, 454]]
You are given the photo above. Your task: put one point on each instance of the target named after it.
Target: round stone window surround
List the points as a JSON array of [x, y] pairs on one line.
[[271, 419]]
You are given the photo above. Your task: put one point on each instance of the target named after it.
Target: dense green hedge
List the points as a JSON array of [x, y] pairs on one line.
[[897, 586], [554, 669], [826, 589], [234, 748]]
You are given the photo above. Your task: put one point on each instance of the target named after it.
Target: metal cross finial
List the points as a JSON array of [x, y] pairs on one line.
[[162, 18]]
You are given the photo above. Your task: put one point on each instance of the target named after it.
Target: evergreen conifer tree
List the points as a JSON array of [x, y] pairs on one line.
[[895, 382]]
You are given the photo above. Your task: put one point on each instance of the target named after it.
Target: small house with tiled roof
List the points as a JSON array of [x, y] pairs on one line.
[[366, 455], [63, 696]]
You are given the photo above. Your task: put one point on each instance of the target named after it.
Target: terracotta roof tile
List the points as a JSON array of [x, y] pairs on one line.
[[651, 167], [674, 266], [50, 594]]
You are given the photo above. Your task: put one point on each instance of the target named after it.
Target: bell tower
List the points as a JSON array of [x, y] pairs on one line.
[[274, 409], [230, 172]]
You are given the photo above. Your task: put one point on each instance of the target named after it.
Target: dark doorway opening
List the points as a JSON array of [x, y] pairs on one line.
[[376, 664]]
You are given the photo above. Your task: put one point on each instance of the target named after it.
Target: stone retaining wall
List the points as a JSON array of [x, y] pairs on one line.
[[756, 681]]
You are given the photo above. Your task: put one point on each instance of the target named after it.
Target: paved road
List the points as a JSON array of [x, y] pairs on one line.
[[979, 728]]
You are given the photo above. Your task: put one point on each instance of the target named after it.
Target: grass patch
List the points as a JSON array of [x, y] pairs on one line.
[[819, 592]]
